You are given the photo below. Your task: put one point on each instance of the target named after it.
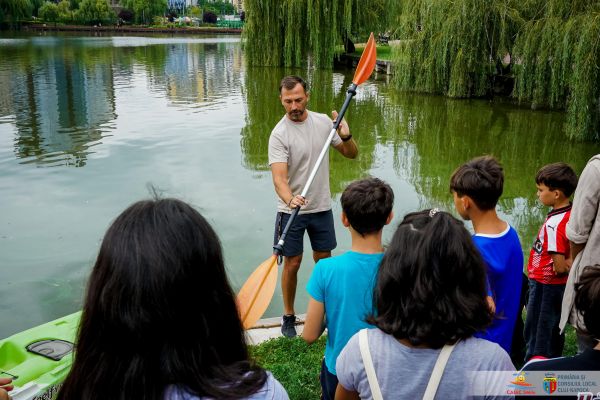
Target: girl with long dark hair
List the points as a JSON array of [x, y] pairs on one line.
[[429, 300], [159, 319]]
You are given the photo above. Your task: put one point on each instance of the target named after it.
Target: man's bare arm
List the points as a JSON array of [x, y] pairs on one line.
[[576, 248], [279, 172]]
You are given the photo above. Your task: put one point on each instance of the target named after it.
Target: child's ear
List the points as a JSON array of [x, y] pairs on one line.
[[557, 194], [389, 218], [345, 221], [466, 202]]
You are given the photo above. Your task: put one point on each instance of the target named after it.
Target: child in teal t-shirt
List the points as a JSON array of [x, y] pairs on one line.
[[341, 287]]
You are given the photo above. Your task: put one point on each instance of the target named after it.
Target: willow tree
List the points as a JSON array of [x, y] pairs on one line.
[[292, 32], [15, 10], [558, 56], [453, 47], [145, 10]]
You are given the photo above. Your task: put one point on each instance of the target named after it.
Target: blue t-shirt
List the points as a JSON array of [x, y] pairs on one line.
[[344, 284], [504, 260]]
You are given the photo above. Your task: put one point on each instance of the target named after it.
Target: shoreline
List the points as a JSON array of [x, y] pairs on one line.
[[130, 29]]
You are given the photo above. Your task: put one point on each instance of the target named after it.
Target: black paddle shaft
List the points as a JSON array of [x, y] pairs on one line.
[[351, 92]]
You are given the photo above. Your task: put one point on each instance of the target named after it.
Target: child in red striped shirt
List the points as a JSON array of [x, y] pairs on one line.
[[548, 265]]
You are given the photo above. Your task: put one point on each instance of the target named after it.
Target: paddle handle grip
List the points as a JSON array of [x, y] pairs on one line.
[[278, 248], [350, 93]]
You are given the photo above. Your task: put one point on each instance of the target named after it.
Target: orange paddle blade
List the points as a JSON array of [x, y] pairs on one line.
[[256, 294], [367, 61]]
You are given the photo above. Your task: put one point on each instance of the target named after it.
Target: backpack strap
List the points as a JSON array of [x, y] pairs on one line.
[[365, 353], [438, 371]]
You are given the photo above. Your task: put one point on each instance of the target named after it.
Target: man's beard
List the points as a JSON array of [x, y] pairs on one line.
[[296, 115]]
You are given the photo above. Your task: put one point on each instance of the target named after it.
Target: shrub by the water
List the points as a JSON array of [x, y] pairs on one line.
[[209, 18]]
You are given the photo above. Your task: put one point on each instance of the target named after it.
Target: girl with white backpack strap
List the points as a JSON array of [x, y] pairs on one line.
[[429, 300]]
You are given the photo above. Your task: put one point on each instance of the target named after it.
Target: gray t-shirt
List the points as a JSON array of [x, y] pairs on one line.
[[271, 390], [299, 144], [403, 372]]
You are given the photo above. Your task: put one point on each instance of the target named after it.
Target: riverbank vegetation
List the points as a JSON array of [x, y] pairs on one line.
[[551, 49], [98, 12], [542, 53], [289, 32]]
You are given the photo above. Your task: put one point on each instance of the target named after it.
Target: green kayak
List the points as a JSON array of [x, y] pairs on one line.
[[39, 358]]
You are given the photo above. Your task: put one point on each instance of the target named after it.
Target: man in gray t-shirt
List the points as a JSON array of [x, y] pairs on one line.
[[294, 147]]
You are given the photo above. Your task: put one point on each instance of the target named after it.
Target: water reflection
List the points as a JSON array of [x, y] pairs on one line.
[[59, 92], [187, 116], [60, 98]]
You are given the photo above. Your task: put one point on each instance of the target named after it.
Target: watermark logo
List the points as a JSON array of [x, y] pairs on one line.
[[521, 380], [519, 385], [550, 383]]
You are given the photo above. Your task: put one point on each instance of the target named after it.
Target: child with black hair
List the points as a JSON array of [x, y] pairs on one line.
[[429, 300], [476, 187], [548, 263], [341, 287], [159, 319]]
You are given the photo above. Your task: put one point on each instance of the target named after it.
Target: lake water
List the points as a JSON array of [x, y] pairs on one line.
[[87, 123]]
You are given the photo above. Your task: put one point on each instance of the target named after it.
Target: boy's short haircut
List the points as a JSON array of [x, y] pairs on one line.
[[367, 204], [558, 176], [482, 179]]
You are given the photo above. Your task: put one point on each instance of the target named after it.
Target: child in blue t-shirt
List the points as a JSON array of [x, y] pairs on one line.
[[341, 287], [476, 187]]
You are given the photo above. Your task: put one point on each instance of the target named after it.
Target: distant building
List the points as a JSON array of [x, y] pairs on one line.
[[179, 4], [238, 5]]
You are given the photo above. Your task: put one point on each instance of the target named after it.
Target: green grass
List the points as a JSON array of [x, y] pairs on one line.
[[384, 52], [297, 365], [570, 348], [294, 363]]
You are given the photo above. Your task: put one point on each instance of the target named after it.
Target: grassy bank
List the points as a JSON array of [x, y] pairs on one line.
[[384, 52], [297, 365], [294, 363]]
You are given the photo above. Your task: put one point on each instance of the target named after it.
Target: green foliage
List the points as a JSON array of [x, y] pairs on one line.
[[15, 10], [126, 15], [74, 4], [195, 11], [454, 48], [35, 6], [294, 363], [159, 21], [209, 17], [450, 47], [65, 13], [49, 12], [558, 58], [145, 10], [297, 31], [219, 7], [94, 11]]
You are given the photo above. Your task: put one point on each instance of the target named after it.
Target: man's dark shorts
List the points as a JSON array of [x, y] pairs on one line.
[[320, 230]]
